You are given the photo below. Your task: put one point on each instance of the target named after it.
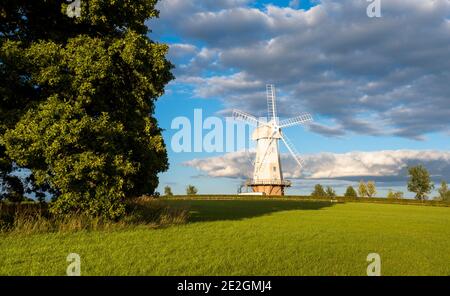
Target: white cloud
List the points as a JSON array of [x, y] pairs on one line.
[[231, 165], [385, 165], [182, 50]]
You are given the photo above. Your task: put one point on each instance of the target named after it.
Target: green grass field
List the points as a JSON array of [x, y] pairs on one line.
[[250, 237]]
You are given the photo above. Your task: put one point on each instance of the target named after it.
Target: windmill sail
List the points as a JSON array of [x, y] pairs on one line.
[[271, 104], [292, 150], [250, 119], [298, 120]]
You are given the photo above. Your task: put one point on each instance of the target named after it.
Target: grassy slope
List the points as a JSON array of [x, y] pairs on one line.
[[251, 238]]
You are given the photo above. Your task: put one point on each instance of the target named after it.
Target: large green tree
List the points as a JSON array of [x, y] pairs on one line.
[[78, 101], [420, 182]]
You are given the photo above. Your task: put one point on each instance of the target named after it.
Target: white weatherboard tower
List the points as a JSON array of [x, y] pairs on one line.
[[268, 175]]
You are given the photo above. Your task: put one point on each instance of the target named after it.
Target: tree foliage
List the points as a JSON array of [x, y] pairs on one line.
[[319, 191], [350, 192], [420, 182], [368, 189], [444, 192], [362, 189], [395, 194], [191, 190], [168, 191], [12, 189], [77, 101], [371, 189], [330, 192]]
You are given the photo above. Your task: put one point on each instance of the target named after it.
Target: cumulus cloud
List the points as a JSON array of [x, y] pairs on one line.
[[380, 165], [330, 131], [181, 50], [231, 165], [372, 76]]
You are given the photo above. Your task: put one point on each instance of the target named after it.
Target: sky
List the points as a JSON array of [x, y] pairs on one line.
[[378, 88]]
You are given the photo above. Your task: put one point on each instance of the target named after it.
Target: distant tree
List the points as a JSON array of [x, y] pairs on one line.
[[395, 194], [168, 191], [330, 192], [362, 189], [350, 192], [420, 182], [444, 193], [191, 190], [318, 191], [390, 194], [371, 189]]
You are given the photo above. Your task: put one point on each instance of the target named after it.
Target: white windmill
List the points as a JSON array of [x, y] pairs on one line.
[[268, 175]]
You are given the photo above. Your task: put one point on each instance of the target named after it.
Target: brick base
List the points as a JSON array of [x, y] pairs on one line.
[[269, 189]]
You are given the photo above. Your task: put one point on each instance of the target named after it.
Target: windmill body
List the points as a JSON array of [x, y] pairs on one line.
[[268, 174], [267, 162]]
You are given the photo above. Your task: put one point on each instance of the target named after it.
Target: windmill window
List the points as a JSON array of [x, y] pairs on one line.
[[274, 169]]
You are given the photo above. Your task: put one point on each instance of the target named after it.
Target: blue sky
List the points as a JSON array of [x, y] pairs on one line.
[[377, 88]]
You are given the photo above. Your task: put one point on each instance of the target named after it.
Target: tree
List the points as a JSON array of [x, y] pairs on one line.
[[78, 100], [168, 191], [318, 191], [444, 193], [330, 192], [191, 190], [371, 189], [420, 182], [395, 195], [399, 195], [362, 189], [350, 192], [40, 197], [13, 189]]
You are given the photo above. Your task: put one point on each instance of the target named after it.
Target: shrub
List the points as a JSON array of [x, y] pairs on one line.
[[36, 218]]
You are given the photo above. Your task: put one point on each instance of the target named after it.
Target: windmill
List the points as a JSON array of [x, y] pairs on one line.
[[267, 174]]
